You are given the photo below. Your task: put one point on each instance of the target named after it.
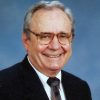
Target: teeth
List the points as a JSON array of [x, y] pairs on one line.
[[53, 56]]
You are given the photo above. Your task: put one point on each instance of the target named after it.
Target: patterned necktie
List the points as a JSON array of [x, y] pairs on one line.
[[54, 84]]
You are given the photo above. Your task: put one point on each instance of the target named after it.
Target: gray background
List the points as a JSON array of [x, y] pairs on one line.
[[85, 61]]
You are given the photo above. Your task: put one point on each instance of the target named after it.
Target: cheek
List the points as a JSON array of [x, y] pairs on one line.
[[68, 52], [67, 48], [41, 48]]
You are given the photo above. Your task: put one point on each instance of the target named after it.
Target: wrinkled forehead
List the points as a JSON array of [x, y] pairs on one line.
[[53, 20]]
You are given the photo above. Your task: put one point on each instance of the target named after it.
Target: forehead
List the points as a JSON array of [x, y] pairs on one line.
[[53, 20]]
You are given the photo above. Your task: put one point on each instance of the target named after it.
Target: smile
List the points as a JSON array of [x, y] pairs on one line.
[[53, 56]]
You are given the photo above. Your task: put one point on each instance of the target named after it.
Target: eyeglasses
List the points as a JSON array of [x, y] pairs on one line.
[[45, 38]]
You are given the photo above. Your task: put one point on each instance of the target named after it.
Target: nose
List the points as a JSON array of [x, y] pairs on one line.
[[54, 44]]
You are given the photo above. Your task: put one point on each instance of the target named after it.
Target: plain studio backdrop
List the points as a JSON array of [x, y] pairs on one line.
[[85, 60]]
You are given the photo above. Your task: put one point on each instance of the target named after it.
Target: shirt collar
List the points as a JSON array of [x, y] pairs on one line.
[[43, 77]]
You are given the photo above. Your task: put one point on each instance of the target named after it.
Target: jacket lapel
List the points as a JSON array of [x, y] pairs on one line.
[[66, 85], [33, 88], [71, 87]]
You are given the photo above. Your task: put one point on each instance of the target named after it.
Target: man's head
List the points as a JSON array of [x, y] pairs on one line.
[[47, 36]]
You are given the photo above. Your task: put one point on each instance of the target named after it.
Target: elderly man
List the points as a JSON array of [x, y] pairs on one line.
[[47, 37]]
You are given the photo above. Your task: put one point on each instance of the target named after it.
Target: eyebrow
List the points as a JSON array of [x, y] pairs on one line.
[[54, 32]]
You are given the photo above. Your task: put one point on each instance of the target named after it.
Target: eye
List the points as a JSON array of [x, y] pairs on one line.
[[62, 35], [45, 36], [65, 35]]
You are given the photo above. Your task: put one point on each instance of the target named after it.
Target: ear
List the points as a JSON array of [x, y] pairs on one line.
[[25, 41]]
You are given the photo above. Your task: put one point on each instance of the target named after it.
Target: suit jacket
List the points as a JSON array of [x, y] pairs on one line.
[[21, 82]]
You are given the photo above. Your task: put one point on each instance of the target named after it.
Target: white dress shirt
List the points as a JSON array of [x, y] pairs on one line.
[[47, 88]]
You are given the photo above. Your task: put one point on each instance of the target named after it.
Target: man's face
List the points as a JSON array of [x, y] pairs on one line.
[[48, 59]]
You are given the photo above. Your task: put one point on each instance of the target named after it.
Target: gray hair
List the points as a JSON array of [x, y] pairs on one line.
[[46, 5]]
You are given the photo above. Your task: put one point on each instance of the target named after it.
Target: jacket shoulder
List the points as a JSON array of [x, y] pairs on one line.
[[76, 86], [71, 77], [8, 74]]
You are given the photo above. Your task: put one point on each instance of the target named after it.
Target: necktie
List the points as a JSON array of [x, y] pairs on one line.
[[54, 84]]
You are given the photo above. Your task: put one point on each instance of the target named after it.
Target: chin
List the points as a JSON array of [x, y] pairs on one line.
[[55, 68]]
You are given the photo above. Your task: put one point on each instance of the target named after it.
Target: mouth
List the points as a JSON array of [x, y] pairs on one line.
[[53, 56]]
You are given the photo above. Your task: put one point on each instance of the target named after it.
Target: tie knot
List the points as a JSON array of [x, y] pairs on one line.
[[53, 82]]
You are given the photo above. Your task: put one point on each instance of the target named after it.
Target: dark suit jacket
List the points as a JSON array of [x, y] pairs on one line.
[[20, 82]]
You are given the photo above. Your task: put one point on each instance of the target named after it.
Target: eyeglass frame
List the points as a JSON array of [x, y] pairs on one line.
[[52, 37]]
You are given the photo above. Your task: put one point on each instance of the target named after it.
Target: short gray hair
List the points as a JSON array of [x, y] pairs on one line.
[[46, 5]]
